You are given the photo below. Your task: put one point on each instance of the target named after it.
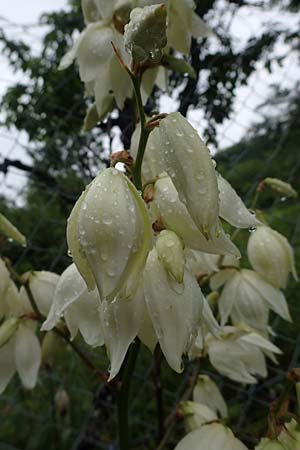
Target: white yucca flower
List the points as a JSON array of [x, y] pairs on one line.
[[271, 255], [109, 235], [240, 355], [78, 306], [211, 437], [247, 298], [207, 393], [196, 415], [174, 308]]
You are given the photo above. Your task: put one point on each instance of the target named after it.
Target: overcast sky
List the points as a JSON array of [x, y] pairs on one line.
[[15, 13]]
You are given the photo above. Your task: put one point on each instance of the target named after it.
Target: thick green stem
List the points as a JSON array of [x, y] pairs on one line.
[[123, 394]]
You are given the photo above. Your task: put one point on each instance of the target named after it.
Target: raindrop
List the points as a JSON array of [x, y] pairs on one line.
[[252, 229]]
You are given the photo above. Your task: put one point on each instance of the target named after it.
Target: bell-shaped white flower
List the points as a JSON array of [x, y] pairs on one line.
[[121, 321], [207, 393], [22, 354], [42, 285], [240, 355], [232, 208], [110, 234], [78, 306], [196, 415], [271, 255], [175, 216], [183, 24], [247, 298], [174, 309], [189, 164], [211, 437], [145, 34]]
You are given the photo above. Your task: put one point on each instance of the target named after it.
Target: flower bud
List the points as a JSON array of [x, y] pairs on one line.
[[271, 255], [110, 234], [62, 402], [42, 285], [283, 188], [145, 34], [214, 436], [8, 329], [170, 253], [207, 393], [188, 162], [51, 348], [196, 415], [10, 231]]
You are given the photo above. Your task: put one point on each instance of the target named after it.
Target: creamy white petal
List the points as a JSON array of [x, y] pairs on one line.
[[271, 255], [228, 297], [174, 309], [28, 356], [121, 322], [196, 415], [7, 364], [210, 437], [232, 208], [207, 393], [42, 285], [147, 333], [69, 288], [273, 297], [94, 50], [114, 233], [176, 217], [189, 164], [83, 315], [220, 278]]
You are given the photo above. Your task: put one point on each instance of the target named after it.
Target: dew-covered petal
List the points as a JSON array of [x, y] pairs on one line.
[[232, 208], [94, 50], [121, 322], [114, 232], [27, 356], [189, 164], [174, 309], [176, 217]]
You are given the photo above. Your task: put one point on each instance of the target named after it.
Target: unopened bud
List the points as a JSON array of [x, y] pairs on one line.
[[283, 188], [145, 34], [10, 231], [170, 253], [51, 346], [7, 330], [62, 402]]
